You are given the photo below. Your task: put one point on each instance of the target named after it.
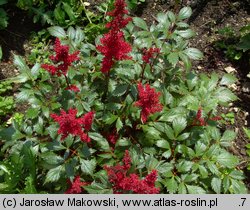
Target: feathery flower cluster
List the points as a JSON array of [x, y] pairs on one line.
[[150, 54], [75, 186], [148, 101], [62, 60], [200, 121], [69, 124], [123, 183], [113, 136], [114, 47]]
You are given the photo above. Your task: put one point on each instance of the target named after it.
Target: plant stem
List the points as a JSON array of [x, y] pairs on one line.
[[67, 80]]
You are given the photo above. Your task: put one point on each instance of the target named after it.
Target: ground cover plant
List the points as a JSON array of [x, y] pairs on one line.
[[126, 115]]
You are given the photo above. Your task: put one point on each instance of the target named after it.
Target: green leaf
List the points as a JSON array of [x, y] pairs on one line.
[[23, 68], [187, 33], [120, 90], [184, 166], [238, 187], [102, 143], [163, 144], [169, 132], [54, 174], [123, 142], [71, 32], [227, 138], [118, 124], [224, 95], [227, 160], [1, 53], [247, 132], [185, 13], [2, 2], [171, 185], [228, 79], [216, 185], [88, 166], [182, 188], [179, 124], [32, 113], [140, 23], [51, 158], [193, 53], [97, 188], [213, 168], [195, 189], [57, 31], [5, 169], [173, 58], [68, 9]]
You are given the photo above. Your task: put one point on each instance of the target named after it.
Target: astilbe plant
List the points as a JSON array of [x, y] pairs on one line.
[[126, 116]]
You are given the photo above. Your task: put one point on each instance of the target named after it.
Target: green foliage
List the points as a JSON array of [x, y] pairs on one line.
[[189, 158], [133, 4], [66, 13], [3, 16], [6, 101], [247, 132], [234, 43]]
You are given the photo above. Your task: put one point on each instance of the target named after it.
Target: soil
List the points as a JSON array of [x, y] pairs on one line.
[[208, 17]]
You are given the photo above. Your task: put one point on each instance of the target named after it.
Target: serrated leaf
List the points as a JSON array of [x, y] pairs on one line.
[[54, 174], [203, 171], [97, 188], [118, 124], [179, 124], [227, 138], [216, 185], [238, 187], [120, 90], [51, 158], [228, 79], [163, 144], [195, 189], [185, 13], [173, 58], [169, 132], [102, 143], [193, 53], [224, 95], [171, 185], [227, 160], [88, 166], [213, 168], [140, 23], [182, 188], [57, 31]]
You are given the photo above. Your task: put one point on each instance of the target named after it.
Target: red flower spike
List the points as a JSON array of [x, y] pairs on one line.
[[150, 54], [88, 120], [124, 183], [114, 47], [69, 124], [74, 88], [75, 186], [63, 60], [126, 160], [148, 101], [113, 136]]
